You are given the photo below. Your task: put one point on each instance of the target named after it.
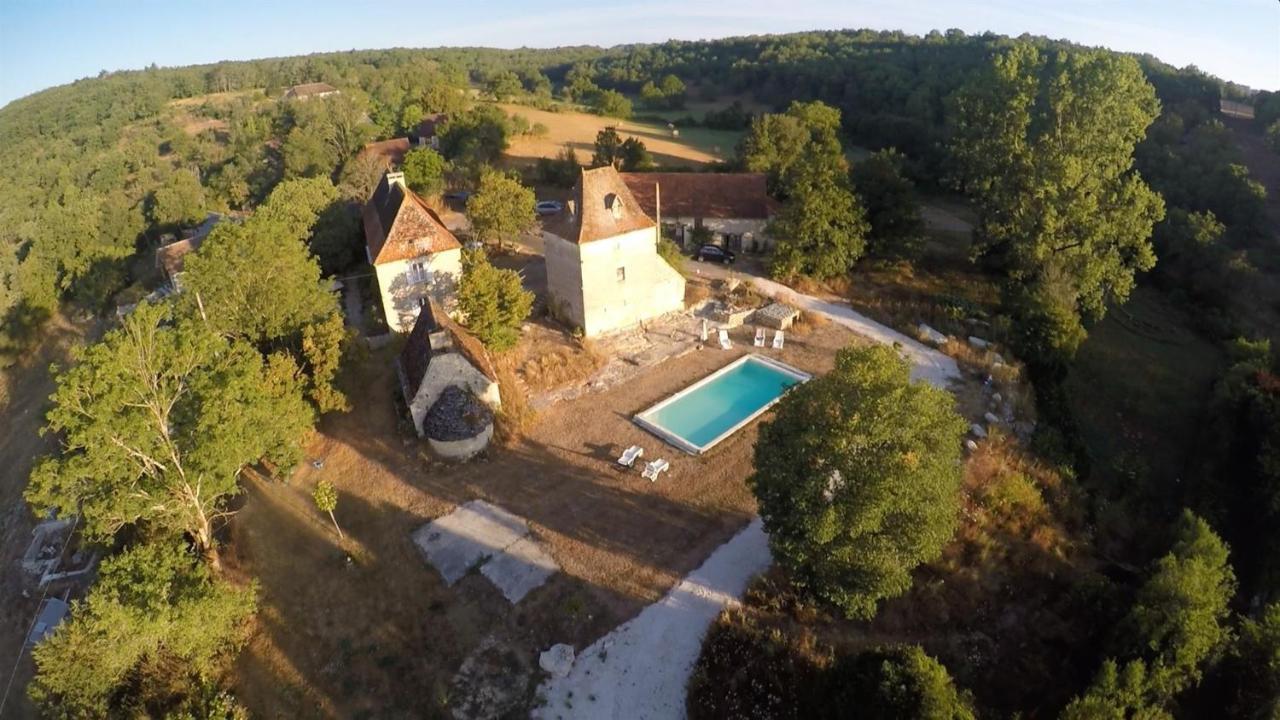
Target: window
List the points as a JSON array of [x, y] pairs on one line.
[[422, 302], [417, 272], [622, 274]]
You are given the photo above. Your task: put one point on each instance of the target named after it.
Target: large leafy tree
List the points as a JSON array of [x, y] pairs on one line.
[[893, 209], [501, 209], [327, 133], [1045, 145], [800, 143], [493, 302], [154, 616], [258, 281], [155, 422], [821, 230], [1176, 624], [424, 171], [180, 200], [858, 477]]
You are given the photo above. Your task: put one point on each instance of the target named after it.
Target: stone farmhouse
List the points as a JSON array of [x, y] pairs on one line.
[[413, 254], [603, 268], [735, 207]]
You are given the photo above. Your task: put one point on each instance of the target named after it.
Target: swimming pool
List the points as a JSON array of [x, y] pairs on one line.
[[710, 410]]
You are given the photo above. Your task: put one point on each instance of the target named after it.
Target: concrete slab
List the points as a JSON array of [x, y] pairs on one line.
[[456, 542], [521, 567]]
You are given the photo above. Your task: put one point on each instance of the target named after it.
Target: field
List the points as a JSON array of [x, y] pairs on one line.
[[695, 146], [379, 634]]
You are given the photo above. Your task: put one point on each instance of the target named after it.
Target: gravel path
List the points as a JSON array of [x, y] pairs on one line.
[[640, 669]]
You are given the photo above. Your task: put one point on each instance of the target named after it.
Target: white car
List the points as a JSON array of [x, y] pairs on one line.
[[548, 207]]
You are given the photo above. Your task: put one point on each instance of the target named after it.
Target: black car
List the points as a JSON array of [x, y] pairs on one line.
[[714, 253]]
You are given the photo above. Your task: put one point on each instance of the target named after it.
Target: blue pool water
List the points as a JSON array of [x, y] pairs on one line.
[[707, 410]]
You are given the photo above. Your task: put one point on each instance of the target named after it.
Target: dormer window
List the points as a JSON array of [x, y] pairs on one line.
[[614, 204]]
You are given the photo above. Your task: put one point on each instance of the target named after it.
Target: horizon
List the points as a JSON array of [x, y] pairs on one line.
[[1228, 40]]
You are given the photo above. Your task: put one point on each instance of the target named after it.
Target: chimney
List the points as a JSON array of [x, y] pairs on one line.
[[395, 178], [657, 207]]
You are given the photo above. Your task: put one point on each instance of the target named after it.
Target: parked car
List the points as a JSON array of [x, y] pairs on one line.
[[548, 207], [457, 195], [714, 253]]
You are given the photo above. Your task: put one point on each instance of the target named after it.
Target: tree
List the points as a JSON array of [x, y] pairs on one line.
[[1252, 668], [611, 103], [502, 209], [1273, 136], [635, 156], [562, 170], [651, 96], [1046, 143], [857, 478], [156, 421], [336, 237], [410, 115], [1174, 626], [258, 281], [326, 498], [360, 177], [608, 148], [502, 84], [322, 346], [475, 138], [1177, 620], [890, 683], [327, 133], [803, 142], [893, 210], [152, 607], [821, 230], [673, 90], [180, 201], [424, 171], [493, 301]]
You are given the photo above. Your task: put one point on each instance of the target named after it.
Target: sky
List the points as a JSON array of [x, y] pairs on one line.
[[51, 42]]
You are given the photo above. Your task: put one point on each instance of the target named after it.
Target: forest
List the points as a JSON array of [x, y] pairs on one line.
[[1140, 187]]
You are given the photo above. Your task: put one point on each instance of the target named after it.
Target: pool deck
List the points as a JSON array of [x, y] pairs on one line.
[[642, 418]]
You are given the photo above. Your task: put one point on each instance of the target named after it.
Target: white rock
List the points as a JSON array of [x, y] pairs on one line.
[[977, 430], [978, 342], [929, 335], [997, 398], [558, 660], [998, 359], [991, 418], [973, 446]]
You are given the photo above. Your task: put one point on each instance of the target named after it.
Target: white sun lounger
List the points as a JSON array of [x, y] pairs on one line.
[[724, 339], [777, 340], [759, 337], [630, 455], [654, 469]]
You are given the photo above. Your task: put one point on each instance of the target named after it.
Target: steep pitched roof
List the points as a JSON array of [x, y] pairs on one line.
[[171, 258], [720, 196], [398, 225], [602, 207], [416, 356]]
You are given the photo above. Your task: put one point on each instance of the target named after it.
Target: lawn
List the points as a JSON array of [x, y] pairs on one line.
[[694, 146], [1138, 389]]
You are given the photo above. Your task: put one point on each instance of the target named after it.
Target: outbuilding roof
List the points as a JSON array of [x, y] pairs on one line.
[[416, 356], [306, 90], [722, 196], [398, 225]]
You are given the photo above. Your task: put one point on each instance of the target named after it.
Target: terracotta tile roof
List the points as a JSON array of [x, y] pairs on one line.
[[603, 207], [398, 225], [415, 358], [306, 90], [429, 126], [391, 151], [703, 195]]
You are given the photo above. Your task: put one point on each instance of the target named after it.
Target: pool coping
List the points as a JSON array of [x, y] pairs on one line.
[[672, 439]]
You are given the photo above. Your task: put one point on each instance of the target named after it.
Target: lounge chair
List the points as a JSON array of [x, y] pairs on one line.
[[777, 340], [654, 469], [724, 339], [759, 337], [630, 455], [704, 330]]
